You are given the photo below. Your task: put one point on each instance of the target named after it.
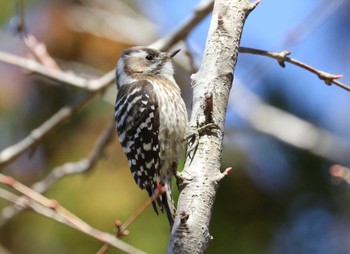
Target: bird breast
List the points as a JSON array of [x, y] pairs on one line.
[[172, 122]]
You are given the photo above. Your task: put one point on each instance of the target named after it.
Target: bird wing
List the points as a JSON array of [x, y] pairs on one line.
[[137, 120]]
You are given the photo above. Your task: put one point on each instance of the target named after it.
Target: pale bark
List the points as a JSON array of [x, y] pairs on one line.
[[211, 88]]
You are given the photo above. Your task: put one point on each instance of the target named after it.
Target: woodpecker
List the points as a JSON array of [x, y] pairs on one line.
[[151, 120]]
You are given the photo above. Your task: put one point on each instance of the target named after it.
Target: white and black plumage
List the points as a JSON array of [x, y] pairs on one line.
[[151, 120]]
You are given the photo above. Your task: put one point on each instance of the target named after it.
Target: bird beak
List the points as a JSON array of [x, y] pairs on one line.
[[173, 53]]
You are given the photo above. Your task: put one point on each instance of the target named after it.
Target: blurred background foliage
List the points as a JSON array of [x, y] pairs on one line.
[[278, 199]]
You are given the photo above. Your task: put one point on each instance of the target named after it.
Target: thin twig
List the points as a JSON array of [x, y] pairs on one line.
[[339, 173], [121, 229], [78, 167], [287, 127], [69, 168], [17, 23], [200, 12], [12, 152], [40, 52], [191, 58], [72, 219], [282, 57], [164, 43], [38, 68], [103, 249], [314, 19]]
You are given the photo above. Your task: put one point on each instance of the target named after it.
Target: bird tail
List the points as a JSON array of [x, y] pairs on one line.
[[166, 203]]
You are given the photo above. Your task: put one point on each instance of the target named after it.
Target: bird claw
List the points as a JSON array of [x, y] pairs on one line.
[[193, 137]]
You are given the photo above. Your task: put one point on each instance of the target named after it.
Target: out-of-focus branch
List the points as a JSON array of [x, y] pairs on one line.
[[131, 30], [81, 166], [339, 173], [314, 19], [99, 18], [70, 219], [164, 43], [40, 52], [17, 23], [200, 12], [11, 153], [92, 86], [69, 168], [38, 68], [288, 128], [282, 57]]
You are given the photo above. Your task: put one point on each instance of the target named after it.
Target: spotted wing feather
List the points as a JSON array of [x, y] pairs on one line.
[[137, 120]]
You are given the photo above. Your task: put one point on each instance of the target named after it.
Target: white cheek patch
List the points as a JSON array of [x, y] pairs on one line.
[[122, 77], [168, 68], [168, 71]]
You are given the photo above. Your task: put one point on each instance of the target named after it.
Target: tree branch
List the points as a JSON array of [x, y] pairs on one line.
[[200, 12], [38, 68], [52, 209], [164, 43], [211, 87], [289, 128], [94, 86], [339, 173], [68, 168], [12, 152], [282, 57]]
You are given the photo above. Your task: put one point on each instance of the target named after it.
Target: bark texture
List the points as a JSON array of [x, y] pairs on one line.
[[211, 87]]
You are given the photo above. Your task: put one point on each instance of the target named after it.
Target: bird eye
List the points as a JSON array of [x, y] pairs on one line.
[[149, 57]]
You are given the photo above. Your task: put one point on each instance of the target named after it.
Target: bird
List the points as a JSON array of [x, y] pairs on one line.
[[151, 120]]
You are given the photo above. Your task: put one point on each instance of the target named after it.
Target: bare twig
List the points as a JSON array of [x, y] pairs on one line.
[[9, 196], [98, 18], [78, 167], [339, 173], [69, 168], [200, 12], [40, 52], [103, 249], [282, 57], [122, 228], [71, 219], [288, 128], [17, 23], [11, 153], [191, 58], [307, 25], [38, 68]]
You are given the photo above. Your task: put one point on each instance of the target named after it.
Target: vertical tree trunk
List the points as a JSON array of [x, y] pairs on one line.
[[211, 88]]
